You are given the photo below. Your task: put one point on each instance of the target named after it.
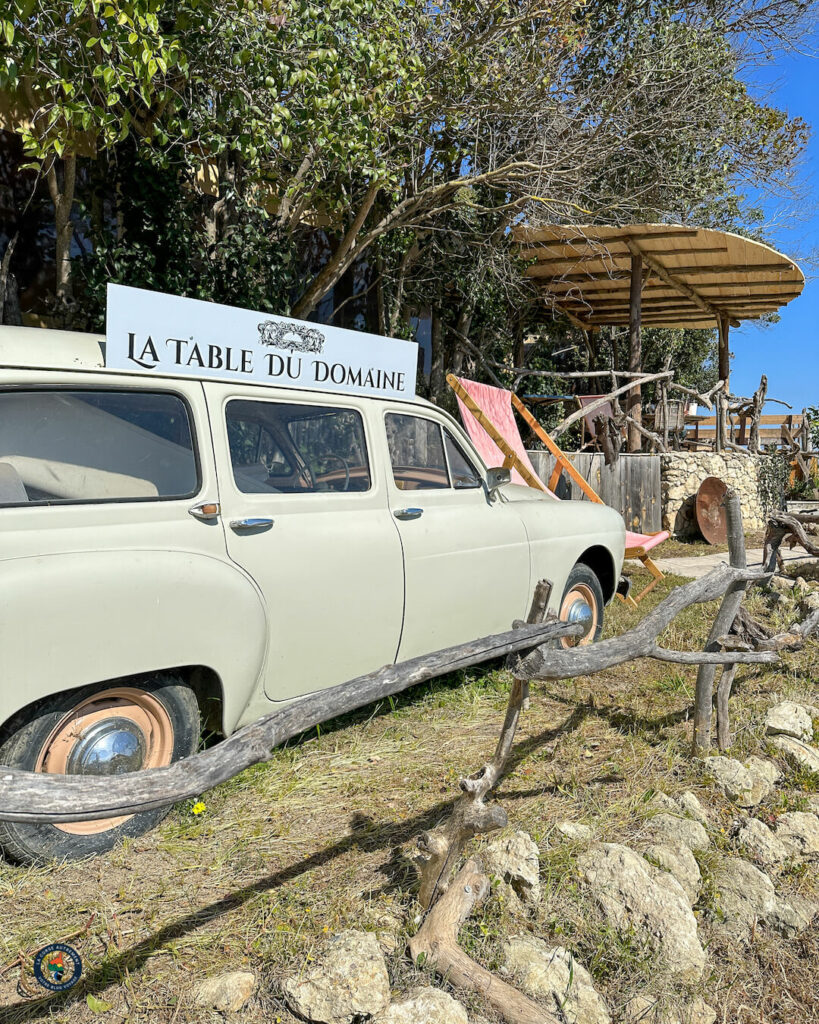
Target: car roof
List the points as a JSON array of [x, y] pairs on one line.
[[38, 347]]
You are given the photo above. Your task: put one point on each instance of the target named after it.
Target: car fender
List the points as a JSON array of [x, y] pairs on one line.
[[90, 616], [563, 533]]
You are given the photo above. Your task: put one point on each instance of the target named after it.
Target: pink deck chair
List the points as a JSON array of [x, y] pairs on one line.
[[488, 417]]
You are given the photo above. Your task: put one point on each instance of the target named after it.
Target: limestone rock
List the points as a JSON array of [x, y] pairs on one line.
[[552, 974], [699, 1012], [791, 918], [764, 768], [744, 787], [348, 981], [642, 1009], [691, 806], [669, 830], [516, 861], [653, 903], [804, 753], [424, 1006], [788, 719], [747, 897], [798, 831], [662, 802], [759, 844], [680, 862], [226, 992], [574, 831]]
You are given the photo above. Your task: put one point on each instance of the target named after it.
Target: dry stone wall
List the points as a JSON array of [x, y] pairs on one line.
[[683, 472]]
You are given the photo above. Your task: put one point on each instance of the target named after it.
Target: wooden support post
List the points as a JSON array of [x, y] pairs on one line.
[[721, 421], [724, 352], [635, 353], [723, 621]]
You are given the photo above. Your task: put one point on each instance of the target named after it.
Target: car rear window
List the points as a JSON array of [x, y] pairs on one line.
[[101, 445]]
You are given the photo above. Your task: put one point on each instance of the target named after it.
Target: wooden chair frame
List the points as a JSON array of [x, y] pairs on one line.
[[562, 465]]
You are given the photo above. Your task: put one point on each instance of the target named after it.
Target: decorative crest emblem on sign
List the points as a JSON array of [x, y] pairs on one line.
[[293, 337]]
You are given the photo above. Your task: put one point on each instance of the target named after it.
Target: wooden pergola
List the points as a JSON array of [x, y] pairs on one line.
[[657, 275]]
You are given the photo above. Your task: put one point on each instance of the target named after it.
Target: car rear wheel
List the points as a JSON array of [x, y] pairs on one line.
[[582, 602], [105, 729]]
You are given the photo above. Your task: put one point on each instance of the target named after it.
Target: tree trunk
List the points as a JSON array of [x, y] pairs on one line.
[[437, 376], [345, 255], [63, 200], [5, 275]]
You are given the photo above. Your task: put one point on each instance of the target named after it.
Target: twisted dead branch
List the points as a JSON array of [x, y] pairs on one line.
[[37, 797], [793, 528]]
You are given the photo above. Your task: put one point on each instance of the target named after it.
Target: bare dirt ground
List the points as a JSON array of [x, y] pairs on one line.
[[319, 838]]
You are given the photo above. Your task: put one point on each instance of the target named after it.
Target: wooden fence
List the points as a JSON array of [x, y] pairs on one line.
[[631, 485]]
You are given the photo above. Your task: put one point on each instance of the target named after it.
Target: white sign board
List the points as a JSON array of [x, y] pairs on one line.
[[149, 332]]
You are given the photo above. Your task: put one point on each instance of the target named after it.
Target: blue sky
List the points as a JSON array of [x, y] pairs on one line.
[[787, 351]]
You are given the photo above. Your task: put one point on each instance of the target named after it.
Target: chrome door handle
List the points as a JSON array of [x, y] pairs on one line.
[[206, 511], [250, 524], [408, 513]]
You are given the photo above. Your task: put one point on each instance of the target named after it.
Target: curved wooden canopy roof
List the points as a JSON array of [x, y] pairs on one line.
[[693, 277]]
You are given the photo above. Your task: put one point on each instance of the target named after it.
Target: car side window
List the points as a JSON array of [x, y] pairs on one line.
[[463, 473], [288, 448], [59, 446], [416, 453]]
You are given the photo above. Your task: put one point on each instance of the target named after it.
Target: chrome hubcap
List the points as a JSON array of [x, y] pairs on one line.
[[581, 612], [108, 747]]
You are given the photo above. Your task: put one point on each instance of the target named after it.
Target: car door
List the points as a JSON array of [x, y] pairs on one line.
[[466, 558], [305, 513]]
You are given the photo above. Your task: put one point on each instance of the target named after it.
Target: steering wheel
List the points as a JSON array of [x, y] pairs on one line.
[[346, 466]]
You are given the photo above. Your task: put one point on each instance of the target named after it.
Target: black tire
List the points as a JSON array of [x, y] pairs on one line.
[[583, 580], [24, 738]]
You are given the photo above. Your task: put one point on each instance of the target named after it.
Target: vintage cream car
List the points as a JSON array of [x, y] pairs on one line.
[[178, 551]]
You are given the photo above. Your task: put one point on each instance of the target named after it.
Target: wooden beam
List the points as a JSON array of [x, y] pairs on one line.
[[544, 236], [543, 270], [724, 352], [572, 317], [561, 460], [539, 271], [544, 255], [616, 286], [635, 351], [674, 282]]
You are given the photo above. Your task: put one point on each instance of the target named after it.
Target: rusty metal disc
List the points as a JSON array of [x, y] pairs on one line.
[[710, 513]]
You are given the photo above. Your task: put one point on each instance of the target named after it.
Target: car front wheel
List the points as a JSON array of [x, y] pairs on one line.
[[105, 729], [582, 602]]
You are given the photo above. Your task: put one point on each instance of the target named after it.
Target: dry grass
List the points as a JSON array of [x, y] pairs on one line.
[[675, 548], [318, 839]]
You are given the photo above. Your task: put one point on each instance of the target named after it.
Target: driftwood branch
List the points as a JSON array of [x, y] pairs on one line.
[[437, 944], [792, 527], [440, 849], [723, 621], [36, 797], [705, 398], [564, 425], [641, 641]]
